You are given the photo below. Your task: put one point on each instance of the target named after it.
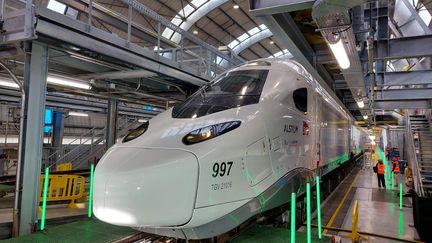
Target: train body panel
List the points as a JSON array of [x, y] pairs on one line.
[[234, 149]]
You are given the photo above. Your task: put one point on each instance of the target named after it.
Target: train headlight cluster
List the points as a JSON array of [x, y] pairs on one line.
[[209, 132], [136, 132]]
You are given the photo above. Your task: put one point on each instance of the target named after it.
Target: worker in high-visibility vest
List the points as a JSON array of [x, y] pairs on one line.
[[380, 170], [396, 169]]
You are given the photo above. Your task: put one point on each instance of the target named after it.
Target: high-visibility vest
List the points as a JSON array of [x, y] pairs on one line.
[[381, 168], [396, 167]]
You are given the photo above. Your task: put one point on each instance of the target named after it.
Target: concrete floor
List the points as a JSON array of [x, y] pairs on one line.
[[378, 208]]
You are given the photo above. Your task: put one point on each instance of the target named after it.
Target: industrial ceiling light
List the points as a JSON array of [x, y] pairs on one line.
[[271, 42], [365, 117], [8, 83], [360, 103], [142, 120], [63, 81], [195, 32], [336, 45], [236, 6], [73, 113]]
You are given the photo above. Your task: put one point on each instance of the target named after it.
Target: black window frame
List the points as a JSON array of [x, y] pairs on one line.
[[300, 98]]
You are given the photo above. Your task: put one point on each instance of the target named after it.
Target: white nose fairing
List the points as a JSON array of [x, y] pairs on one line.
[[147, 191]]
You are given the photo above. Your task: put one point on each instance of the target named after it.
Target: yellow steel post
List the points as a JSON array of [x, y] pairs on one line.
[[354, 235]]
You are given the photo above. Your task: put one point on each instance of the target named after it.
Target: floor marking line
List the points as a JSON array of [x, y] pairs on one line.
[[336, 212]]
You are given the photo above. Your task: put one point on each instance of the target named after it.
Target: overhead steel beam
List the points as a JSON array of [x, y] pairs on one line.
[[285, 28], [419, 46], [290, 29], [263, 7], [405, 94], [106, 44], [118, 21], [408, 78], [13, 97], [402, 104], [120, 75], [419, 20]]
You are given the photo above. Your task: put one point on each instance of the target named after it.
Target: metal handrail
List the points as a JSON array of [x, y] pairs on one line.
[[418, 185], [83, 143]]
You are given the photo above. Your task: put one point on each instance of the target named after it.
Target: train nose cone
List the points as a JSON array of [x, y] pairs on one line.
[[145, 187]]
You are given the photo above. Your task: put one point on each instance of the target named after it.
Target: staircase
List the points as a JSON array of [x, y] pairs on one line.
[[90, 146], [422, 138]]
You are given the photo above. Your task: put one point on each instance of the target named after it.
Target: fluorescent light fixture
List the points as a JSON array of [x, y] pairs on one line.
[[372, 137], [360, 103], [73, 113], [271, 42], [142, 120], [236, 6], [336, 45], [365, 117], [7, 83], [59, 80], [195, 32]]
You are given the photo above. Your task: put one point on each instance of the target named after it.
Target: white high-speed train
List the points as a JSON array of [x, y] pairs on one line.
[[236, 148]]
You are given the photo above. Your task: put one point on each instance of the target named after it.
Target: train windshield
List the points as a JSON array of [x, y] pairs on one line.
[[234, 89]]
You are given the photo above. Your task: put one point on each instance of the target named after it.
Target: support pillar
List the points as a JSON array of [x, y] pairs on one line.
[[31, 137], [111, 130]]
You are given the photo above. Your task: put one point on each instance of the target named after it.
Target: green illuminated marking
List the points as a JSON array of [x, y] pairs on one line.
[[392, 179], [90, 202], [401, 225], [44, 199], [400, 196], [293, 216], [318, 206], [308, 217]]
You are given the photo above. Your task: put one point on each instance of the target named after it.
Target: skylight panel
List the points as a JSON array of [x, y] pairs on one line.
[[278, 54], [243, 37], [198, 3], [253, 31], [187, 10], [263, 27], [233, 43], [56, 6]]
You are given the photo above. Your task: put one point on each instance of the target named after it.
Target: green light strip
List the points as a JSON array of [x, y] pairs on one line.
[[308, 217], [392, 179], [44, 199], [400, 196], [90, 202], [318, 191], [293, 217]]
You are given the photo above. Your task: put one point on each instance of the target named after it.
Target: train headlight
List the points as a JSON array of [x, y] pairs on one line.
[[136, 132], [209, 132]]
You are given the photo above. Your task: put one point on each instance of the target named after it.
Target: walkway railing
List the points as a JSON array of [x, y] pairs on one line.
[[412, 158]]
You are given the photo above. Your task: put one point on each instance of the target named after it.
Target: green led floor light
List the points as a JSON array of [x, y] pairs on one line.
[[293, 217], [318, 193], [392, 180], [90, 202], [308, 213], [44, 199], [400, 196]]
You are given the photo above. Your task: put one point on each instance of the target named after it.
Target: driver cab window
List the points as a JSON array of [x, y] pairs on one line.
[[300, 99]]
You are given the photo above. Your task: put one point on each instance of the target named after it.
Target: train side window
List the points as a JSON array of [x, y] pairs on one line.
[[300, 99]]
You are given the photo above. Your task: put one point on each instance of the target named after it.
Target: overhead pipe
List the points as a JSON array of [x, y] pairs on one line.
[[334, 22]]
